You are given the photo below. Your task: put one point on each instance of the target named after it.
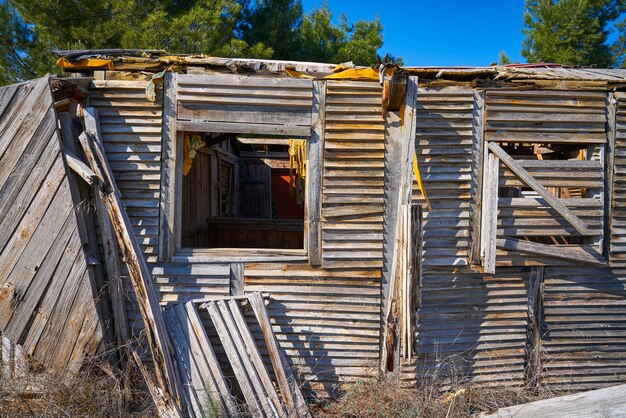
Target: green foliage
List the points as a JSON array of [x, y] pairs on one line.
[[503, 58], [275, 29], [321, 40], [572, 32], [274, 23]]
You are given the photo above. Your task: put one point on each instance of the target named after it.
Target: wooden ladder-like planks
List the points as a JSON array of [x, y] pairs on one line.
[[201, 372]]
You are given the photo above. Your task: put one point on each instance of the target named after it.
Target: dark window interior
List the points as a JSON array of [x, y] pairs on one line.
[[238, 194]]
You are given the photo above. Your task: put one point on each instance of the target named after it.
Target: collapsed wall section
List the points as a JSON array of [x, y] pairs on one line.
[[48, 293]]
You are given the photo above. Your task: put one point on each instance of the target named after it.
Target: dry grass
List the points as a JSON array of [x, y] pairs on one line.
[[95, 392], [373, 398]]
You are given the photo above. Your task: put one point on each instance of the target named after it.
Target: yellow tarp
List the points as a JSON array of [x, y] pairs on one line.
[[355, 74], [92, 64]]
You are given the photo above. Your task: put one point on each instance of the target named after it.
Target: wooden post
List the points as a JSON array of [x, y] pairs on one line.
[[609, 169], [489, 213], [171, 181], [315, 169], [140, 276], [398, 194]]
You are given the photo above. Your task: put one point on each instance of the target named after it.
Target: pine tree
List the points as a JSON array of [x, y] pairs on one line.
[[572, 32]]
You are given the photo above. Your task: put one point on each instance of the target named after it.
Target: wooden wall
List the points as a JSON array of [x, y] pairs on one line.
[[48, 290], [469, 324], [479, 325], [353, 176], [328, 317]]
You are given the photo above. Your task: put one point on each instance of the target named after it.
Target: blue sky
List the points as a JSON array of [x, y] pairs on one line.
[[442, 33]]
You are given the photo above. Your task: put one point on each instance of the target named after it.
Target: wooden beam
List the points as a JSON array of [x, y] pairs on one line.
[[157, 337], [398, 193], [542, 191], [266, 141], [315, 168], [79, 167], [111, 251], [243, 128], [489, 213], [583, 255], [171, 150]]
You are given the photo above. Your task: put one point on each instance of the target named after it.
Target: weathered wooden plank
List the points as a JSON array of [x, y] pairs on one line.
[[202, 347], [289, 388], [16, 202], [489, 214], [276, 405], [607, 402], [79, 167], [234, 358], [406, 138], [247, 128], [24, 117]]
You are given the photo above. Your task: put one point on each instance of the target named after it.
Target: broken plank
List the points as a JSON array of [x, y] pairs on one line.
[[566, 253]]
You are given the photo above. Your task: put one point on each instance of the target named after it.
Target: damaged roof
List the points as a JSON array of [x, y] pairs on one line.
[[156, 60]]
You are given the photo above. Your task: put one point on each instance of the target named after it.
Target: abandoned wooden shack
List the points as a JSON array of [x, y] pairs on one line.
[[415, 222]]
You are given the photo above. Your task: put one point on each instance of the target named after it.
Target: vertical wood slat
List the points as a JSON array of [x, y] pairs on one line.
[[234, 359], [489, 221], [287, 384], [478, 154]]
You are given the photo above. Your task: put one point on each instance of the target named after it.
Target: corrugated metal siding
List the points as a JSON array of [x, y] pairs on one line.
[[353, 176], [46, 300], [328, 321], [584, 328]]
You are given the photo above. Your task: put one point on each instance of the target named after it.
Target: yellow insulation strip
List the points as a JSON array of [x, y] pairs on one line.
[[298, 74], [297, 168], [92, 63], [416, 172], [357, 74], [191, 144]]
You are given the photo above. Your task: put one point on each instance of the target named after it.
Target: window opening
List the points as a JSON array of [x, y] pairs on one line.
[[242, 192]]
